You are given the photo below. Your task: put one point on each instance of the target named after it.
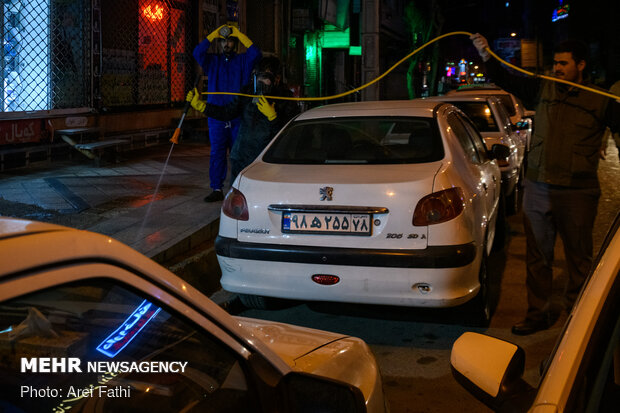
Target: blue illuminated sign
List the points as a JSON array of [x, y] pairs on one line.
[[127, 331], [560, 13]]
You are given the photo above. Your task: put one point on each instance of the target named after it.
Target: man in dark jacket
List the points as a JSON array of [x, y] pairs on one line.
[[561, 187], [260, 118], [226, 72]]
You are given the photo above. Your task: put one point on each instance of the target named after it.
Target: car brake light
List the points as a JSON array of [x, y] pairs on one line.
[[235, 205], [438, 207], [325, 279]]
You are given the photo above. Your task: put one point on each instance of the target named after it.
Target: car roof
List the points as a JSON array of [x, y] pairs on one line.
[[486, 87], [468, 98], [415, 107]]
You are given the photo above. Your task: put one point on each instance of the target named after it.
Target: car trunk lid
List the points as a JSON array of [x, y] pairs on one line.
[[365, 206]]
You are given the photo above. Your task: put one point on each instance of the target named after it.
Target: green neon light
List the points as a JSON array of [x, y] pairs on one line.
[[333, 38], [310, 52], [355, 50]]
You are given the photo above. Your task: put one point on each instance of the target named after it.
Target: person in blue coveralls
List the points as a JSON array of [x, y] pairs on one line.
[[226, 72]]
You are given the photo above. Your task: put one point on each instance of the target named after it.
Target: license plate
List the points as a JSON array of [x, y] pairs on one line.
[[319, 223]]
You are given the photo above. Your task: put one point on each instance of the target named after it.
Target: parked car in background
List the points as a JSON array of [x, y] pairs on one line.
[[70, 297], [583, 372], [391, 202], [520, 117], [493, 123]]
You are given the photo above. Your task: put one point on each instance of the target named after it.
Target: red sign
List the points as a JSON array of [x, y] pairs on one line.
[[20, 131]]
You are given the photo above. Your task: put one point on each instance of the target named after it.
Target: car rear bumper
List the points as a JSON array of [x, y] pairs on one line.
[[420, 287], [450, 256]]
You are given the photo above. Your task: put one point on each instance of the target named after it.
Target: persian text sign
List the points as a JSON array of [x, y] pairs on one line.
[[123, 335], [20, 131]]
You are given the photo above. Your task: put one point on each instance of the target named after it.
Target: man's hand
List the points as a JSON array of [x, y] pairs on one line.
[[245, 40], [481, 44], [193, 97], [267, 109], [215, 34]]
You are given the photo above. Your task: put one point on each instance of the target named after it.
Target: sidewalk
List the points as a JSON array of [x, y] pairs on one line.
[[119, 199]]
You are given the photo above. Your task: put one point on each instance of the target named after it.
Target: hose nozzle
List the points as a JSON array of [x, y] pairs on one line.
[[225, 32], [175, 136]]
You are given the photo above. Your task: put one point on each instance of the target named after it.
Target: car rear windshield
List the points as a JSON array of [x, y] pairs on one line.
[[480, 114], [358, 140]]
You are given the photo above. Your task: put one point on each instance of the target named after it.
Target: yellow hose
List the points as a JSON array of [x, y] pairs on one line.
[[468, 34]]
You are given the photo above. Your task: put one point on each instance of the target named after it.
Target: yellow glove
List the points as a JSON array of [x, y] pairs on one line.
[[267, 109], [193, 97], [245, 40], [215, 34]]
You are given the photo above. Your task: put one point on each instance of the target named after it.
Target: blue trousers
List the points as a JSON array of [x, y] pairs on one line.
[[547, 211], [222, 136]]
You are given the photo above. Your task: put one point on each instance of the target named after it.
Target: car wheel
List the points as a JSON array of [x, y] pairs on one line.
[[258, 302], [479, 308]]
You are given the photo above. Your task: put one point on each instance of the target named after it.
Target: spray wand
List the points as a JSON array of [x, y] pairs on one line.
[[177, 131]]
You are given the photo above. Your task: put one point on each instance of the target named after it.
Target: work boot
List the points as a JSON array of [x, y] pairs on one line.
[[215, 196]]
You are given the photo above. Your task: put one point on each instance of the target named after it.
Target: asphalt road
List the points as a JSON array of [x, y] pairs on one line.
[[413, 346]]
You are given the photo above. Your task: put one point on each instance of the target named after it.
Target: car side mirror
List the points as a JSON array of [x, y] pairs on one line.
[[302, 392], [491, 369], [500, 151], [523, 125]]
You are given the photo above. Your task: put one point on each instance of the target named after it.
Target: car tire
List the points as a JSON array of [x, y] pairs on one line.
[[259, 302], [479, 309]]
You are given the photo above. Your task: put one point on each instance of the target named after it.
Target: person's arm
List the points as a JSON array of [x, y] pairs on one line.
[[526, 88], [200, 51], [251, 55], [245, 40], [224, 113]]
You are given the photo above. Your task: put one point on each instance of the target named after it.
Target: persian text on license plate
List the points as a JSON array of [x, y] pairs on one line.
[[337, 224]]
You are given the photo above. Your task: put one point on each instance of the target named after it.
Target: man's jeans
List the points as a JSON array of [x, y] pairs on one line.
[[548, 210]]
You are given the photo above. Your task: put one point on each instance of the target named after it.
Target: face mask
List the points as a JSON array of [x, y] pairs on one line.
[[261, 88]]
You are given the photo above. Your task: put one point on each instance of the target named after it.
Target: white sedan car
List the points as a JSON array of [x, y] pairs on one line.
[[493, 123], [391, 202], [90, 325], [583, 372], [519, 115]]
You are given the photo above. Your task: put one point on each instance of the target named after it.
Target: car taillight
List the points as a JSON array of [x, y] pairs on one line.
[[438, 207], [325, 279], [235, 205]]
